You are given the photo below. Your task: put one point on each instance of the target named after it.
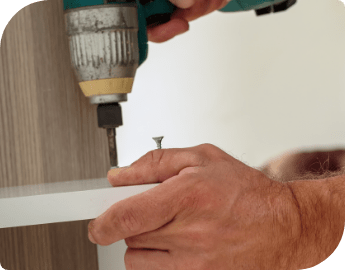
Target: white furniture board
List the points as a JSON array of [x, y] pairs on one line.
[[60, 202]]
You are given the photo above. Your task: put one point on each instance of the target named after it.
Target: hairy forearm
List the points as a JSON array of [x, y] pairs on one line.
[[321, 205]]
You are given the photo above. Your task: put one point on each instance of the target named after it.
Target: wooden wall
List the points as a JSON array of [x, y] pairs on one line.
[[48, 133]]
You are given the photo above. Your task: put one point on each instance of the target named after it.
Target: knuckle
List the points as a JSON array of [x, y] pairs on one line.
[[198, 159], [129, 259], [206, 149], [200, 238], [131, 242], [199, 156], [148, 157], [206, 146], [157, 156], [193, 195], [130, 222], [153, 157], [210, 151]]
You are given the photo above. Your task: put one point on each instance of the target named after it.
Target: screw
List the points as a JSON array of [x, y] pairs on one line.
[[158, 141]]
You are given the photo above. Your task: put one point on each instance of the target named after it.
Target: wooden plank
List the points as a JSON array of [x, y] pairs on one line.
[[60, 202], [48, 134]]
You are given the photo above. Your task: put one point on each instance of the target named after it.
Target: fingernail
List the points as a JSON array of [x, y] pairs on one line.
[[116, 171], [92, 240]]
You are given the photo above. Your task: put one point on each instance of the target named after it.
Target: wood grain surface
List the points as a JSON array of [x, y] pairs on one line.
[[48, 133]]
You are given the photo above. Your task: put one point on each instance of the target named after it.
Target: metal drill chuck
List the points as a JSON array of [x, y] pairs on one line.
[[109, 115], [104, 49]]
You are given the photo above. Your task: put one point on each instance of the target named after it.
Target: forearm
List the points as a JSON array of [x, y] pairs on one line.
[[321, 204]]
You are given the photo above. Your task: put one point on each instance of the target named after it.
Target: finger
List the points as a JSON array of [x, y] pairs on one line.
[[138, 259], [183, 3], [164, 238], [149, 240], [145, 212], [159, 165], [164, 32], [168, 237], [199, 9]]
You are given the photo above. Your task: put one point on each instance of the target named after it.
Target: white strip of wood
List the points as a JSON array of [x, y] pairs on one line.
[[60, 202]]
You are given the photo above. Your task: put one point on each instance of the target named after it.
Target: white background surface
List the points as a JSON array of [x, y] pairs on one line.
[[255, 87]]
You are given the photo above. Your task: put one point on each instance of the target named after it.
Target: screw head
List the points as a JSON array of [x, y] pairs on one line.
[[158, 141]]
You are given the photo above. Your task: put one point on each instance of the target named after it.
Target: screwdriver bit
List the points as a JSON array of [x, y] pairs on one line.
[[112, 147]]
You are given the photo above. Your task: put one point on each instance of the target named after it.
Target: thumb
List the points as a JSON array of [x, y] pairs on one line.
[[159, 165], [144, 212]]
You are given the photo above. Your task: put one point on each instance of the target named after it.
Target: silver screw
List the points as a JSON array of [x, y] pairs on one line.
[[158, 141]]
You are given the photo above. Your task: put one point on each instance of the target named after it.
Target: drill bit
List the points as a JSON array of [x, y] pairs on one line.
[[158, 141], [112, 147]]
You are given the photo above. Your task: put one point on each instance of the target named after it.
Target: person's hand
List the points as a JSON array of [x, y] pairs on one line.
[[188, 10], [210, 211]]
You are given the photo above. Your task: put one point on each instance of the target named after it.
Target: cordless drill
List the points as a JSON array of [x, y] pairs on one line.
[[108, 42]]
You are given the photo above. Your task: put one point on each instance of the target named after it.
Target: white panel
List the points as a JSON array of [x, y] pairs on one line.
[[112, 257], [60, 202]]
